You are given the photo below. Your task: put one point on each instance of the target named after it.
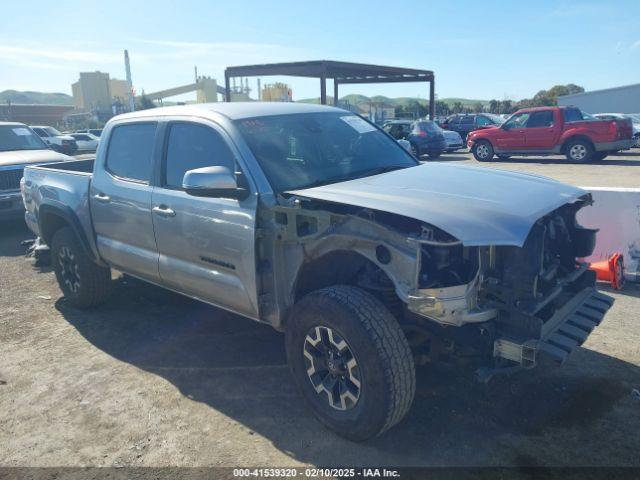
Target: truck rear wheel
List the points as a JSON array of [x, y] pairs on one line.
[[579, 151], [83, 282], [351, 361]]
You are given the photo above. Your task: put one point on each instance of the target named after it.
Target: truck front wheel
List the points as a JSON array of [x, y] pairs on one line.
[[483, 151], [351, 361], [83, 282]]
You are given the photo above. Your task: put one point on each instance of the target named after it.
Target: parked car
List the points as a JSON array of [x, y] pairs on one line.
[[19, 146], [463, 123], [93, 131], [552, 131], [453, 139], [398, 129], [311, 219], [86, 141], [634, 119], [56, 140], [424, 136]]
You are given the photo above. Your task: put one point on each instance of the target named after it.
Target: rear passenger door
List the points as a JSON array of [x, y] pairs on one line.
[[120, 200], [206, 245]]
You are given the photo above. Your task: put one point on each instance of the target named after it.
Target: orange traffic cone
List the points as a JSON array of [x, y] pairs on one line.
[[611, 270]]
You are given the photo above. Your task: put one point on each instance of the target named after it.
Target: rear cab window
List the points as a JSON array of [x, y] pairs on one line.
[[130, 151]]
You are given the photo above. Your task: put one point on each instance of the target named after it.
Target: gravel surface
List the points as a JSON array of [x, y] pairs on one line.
[[156, 379]]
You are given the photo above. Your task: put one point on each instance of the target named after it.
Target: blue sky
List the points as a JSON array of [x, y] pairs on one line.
[[477, 49]]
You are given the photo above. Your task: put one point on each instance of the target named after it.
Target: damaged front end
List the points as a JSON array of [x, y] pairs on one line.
[[527, 303]]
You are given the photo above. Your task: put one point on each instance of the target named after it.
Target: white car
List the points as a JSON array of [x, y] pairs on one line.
[[55, 139], [453, 139], [86, 142], [635, 123]]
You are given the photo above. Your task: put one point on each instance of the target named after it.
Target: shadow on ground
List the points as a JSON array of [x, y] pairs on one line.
[[237, 367]]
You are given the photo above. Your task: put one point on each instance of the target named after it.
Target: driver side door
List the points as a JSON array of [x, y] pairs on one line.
[[512, 134]]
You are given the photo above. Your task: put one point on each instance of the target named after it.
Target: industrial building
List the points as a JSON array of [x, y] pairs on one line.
[[95, 92], [625, 99], [276, 92]]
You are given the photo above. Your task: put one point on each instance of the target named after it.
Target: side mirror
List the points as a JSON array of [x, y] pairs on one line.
[[216, 182]]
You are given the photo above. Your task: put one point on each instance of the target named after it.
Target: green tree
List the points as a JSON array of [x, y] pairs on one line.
[[457, 107], [478, 107], [442, 108], [494, 106], [506, 106]]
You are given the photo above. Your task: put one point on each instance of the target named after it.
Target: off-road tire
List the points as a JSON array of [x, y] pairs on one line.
[[578, 151], [93, 281], [384, 360], [483, 151]]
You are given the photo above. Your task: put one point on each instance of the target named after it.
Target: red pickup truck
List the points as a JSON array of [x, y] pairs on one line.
[[552, 131]]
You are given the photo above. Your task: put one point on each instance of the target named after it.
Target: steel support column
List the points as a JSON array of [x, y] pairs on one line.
[[323, 89], [227, 87], [432, 98]]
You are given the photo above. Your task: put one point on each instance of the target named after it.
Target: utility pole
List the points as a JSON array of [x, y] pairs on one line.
[[127, 68]]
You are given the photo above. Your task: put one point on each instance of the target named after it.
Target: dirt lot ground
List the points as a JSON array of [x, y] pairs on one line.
[[154, 379]]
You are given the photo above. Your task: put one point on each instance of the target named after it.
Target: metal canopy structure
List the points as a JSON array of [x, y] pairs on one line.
[[339, 72]]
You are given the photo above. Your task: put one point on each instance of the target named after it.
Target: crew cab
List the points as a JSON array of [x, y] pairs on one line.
[[19, 146], [314, 221], [552, 131]]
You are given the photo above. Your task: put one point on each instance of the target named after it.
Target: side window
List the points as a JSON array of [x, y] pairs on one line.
[[130, 151], [480, 120], [193, 146], [540, 119], [466, 121], [518, 121], [572, 115], [40, 132]]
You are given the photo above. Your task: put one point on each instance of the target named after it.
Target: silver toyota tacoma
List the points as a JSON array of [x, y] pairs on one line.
[[315, 221]]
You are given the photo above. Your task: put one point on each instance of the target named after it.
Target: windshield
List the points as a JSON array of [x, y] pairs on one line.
[[19, 137], [310, 149], [52, 131]]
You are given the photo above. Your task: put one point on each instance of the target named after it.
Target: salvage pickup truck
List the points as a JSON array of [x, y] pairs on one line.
[[551, 131], [315, 221]]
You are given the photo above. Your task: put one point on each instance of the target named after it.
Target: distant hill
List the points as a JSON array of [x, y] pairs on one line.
[[38, 98], [400, 101]]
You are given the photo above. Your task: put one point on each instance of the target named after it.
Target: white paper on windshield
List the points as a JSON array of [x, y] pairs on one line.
[[358, 124], [21, 132]]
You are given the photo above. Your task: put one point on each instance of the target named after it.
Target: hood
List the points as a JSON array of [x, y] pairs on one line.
[[23, 157], [477, 205]]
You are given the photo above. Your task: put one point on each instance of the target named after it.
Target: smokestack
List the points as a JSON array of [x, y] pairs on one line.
[[127, 68]]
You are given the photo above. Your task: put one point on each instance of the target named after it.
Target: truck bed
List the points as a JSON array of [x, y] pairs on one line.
[[62, 188]]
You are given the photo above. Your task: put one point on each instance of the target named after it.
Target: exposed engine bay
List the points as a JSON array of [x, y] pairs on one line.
[[497, 302]]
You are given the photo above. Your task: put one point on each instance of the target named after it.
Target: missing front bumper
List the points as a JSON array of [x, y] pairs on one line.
[[567, 329]]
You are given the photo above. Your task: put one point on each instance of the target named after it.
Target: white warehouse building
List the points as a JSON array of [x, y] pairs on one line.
[[624, 99]]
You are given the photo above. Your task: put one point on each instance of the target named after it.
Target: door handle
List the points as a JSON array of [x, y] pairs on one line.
[[102, 198], [164, 211]]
